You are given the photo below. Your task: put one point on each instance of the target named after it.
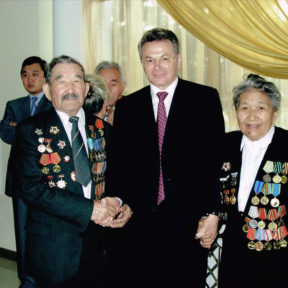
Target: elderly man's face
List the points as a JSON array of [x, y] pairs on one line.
[[255, 114], [160, 63], [116, 86], [67, 89]]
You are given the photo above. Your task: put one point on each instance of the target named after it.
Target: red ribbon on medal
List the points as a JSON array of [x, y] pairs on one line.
[[251, 234], [55, 158], [45, 159]]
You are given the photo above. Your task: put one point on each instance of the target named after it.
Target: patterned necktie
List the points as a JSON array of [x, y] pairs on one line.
[[33, 105], [81, 163], [161, 123]]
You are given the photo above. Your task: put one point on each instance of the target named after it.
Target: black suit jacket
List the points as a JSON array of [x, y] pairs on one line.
[[16, 111], [58, 211], [238, 260], [189, 159]]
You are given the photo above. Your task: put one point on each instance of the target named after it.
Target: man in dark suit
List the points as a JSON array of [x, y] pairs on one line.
[[168, 185], [63, 187], [33, 77]]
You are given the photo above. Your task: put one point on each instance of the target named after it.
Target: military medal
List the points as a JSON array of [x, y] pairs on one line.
[[257, 188], [285, 172], [73, 176], [38, 131], [51, 183], [41, 147], [66, 158], [259, 246], [264, 199], [61, 183], [276, 191], [262, 215], [268, 168], [45, 170], [267, 246], [232, 199], [61, 144], [54, 130], [284, 179], [56, 168], [226, 197], [277, 169]]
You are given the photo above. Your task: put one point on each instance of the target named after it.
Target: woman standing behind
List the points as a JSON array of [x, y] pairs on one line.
[[254, 191]]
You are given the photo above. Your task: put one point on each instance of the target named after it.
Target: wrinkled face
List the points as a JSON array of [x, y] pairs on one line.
[[160, 63], [113, 79], [67, 89], [255, 114], [33, 78]]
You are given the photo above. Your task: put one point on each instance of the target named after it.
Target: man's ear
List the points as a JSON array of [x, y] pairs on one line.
[[87, 88], [46, 90]]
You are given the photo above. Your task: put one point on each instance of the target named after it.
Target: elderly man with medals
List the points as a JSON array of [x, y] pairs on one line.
[[254, 190]]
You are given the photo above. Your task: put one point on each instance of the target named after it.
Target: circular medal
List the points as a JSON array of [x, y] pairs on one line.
[[61, 184], [253, 223], [283, 243], [41, 139], [259, 246], [284, 179], [245, 228], [276, 245], [45, 170], [266, 178], [255, 200], [274, 202], [226, 200], [272, 226], [232, 200], [277, 178], [56, 168], [41, 148], [261, 224], [267, 246], [264, 200], [93, 134], [251, 245]]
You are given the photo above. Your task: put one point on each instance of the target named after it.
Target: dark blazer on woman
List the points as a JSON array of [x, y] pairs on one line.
[[160, 239], [249, 258]]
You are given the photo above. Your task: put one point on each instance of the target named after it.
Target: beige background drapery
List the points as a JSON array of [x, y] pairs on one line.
[[253, 33], [113, 28]]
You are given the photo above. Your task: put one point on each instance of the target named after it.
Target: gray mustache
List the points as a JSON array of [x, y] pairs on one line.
[[70, 96]]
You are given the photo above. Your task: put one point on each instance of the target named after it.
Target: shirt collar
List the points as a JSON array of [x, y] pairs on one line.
[[262, 142], [170, 89], [65, 117], [39, 97]]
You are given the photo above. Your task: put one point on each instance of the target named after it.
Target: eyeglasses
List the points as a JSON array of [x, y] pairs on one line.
[[163, 59]]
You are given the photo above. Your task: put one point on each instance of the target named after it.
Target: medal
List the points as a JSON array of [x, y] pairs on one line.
[[264, 200], [54, 130], [56, 168], [257, 188], [276, 245], [38, 131], [45, 170], [276, 191], [251, 245], [61, 183], [61, 144], [261, 224], [277, 169], [258, 246], [267, 246], [272, 226], [41, 148], [284, 179], [277, 178], [268, 168], [73, 176], [283, 243], [274, 202], [245, 228], [255, 200], [253, 223]]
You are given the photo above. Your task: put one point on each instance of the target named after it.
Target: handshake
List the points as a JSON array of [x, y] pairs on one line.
[[108, 213]]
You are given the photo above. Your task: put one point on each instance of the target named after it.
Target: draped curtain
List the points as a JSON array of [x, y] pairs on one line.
[[221, 40]]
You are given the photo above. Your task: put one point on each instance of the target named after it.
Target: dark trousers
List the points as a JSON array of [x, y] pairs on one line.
[[20, 211]]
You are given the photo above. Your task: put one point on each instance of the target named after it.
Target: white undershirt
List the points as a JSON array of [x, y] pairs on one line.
[[81, 125], [252, 156], [168, 100]]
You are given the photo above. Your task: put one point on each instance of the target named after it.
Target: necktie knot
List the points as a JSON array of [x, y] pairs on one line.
[[162, 95], [73, 119]]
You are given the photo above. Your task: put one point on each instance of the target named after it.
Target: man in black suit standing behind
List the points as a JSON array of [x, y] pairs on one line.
[[164, 163], [33, 77], [64, 188]]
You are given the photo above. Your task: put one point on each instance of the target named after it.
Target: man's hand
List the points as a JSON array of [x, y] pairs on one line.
[[13, 124], [207, 230], [103, 213], [123, 217]]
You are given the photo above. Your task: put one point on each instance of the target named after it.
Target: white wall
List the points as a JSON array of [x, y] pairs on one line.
[[25, 30]]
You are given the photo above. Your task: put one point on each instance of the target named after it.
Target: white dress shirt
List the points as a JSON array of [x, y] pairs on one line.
[[81, 125], [168, 100], [252, 156]]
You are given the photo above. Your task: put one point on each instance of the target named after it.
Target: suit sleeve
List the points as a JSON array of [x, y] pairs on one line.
[[60, 203], [7, 132]]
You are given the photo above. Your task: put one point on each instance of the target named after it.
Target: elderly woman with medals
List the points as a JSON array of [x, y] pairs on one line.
[[254, 191]]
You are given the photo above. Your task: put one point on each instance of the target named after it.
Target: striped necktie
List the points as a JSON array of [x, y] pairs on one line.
[[161, 124], [81, 162]]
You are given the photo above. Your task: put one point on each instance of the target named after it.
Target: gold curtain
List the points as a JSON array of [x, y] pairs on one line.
[[252, 33]]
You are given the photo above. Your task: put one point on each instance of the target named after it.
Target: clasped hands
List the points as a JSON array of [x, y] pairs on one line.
[[107, 212], [207, 230]]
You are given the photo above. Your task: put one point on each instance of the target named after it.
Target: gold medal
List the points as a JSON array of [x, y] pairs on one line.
[[283, 243], [277, 179], [261, 224], [226, 200], [284, 179], [255, 200], [267, 246], [251, 245], [264, 200], [232, 200], [276, 245], [45, 170], [272, 226], [245, 228], [56, 168], [259, 246]]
